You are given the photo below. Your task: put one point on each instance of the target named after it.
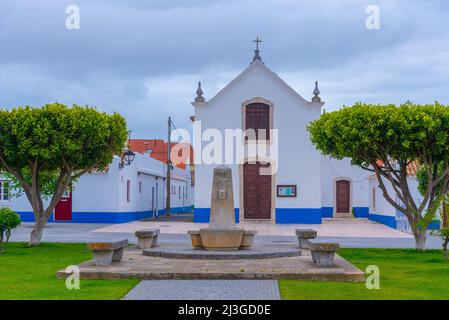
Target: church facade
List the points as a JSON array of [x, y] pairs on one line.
[[291, 182]]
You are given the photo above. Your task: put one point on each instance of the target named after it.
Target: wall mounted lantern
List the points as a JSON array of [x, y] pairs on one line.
[[128, 156]]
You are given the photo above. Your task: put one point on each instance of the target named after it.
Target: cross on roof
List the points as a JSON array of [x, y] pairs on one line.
[[257, 41], [256, 55]]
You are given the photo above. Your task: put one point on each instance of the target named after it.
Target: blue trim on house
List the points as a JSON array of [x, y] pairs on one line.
[[361, 212], [202, 215], [386, 220], [283, 215], [327, 212], [109, 217], [434, 225], [186, 209], [28, 216], [98, 217], [391, 221], [298, 215]]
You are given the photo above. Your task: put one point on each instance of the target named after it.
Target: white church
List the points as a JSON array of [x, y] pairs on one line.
[[303, 186]]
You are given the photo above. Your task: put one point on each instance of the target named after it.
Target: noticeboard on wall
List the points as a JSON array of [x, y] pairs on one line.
[[286, 191]]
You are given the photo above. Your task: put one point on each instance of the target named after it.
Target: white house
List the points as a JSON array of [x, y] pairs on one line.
[[302, 185], [119, 194]]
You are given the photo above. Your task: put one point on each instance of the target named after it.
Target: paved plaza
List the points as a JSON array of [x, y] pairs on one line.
[[87, 232], [205, 290], [363, 228], [135, 265]]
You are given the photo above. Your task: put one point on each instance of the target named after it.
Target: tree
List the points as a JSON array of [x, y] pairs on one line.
[[47, 182], [443, 209], [385, 139], [8, 220], [56, 141]]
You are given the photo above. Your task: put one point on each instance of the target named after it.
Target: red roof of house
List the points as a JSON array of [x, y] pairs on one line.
[[180, 152], [412, 167]]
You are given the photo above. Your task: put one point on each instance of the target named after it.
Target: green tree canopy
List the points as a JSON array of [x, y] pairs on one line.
[[8, 220], [37, 144], [385, 139]]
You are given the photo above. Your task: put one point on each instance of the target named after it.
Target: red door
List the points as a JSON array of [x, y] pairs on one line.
[[63, 210], [257, 192], [343, 196]]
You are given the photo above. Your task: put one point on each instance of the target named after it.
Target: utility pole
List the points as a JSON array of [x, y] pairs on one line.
[[167, 204]]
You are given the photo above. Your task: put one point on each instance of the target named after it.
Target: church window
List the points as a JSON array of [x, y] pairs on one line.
[[258, 119]]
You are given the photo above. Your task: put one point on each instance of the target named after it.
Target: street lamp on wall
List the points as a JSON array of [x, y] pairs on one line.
[[128, 156]]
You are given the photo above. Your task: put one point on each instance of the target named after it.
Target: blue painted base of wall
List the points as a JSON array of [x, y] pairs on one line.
[[29, 217], [361, 212], [386, 220], [283, 215], [434, 226], [391, 221], [298, 215], [327, 212], [186, 209], [202, 215], [107, 217]]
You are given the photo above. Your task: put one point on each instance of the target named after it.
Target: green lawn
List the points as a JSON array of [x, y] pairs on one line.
[[30, 273], [404, 274]]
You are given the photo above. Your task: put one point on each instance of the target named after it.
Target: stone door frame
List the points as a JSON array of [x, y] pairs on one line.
[[350, 193], [242, 191]]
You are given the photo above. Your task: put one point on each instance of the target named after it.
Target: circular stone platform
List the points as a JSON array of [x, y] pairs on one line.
[[257, 252]]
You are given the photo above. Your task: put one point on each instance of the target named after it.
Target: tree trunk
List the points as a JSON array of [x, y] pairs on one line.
[[445, 243], [445, 215], [420, 239], [38, 229]]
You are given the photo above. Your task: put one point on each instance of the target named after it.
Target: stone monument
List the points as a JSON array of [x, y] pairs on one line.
[[222, 234]]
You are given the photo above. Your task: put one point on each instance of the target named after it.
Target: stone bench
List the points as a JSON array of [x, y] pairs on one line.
[[107, 252], [304, 237], [248, 239], [323, 253], [195, 236], [147, 238]]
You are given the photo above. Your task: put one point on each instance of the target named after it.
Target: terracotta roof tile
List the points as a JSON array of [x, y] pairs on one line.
[[179, 151], [412, 167]]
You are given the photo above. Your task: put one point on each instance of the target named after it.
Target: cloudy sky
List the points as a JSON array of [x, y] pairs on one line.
[[143, 58]]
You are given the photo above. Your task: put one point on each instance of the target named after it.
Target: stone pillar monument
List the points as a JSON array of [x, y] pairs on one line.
[[222, 233], [222, 200]]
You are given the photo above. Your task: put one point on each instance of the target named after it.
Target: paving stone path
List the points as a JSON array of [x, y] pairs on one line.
[[82, 232], [205, 290]]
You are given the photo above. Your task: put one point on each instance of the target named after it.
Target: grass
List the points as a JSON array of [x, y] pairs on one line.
[[30, 273], [404, 274]]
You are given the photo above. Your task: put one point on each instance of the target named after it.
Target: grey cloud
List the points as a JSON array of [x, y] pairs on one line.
[[143, 58]]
